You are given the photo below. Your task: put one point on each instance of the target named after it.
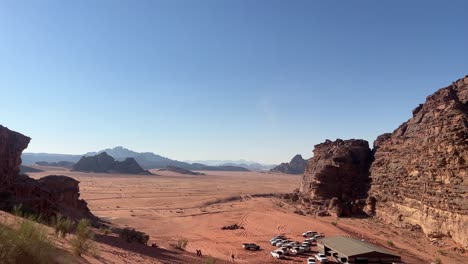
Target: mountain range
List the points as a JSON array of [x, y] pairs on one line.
[[147, 160]]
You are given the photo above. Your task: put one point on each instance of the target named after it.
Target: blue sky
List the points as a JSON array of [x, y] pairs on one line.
[[258, 80]]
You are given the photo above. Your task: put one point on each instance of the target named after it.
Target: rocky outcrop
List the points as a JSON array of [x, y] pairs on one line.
[[47, 196], [63, 164], [419, 176], [336, 179], [103, 163], [296, 166]]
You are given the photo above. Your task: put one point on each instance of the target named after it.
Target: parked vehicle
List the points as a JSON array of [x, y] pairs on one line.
[[250, 246], [318, 236], [309, 234], [305, 249], [321, 257], [283, 243], [274, 242], [277, 254], [297, 250], [311, 261], [278, 237]]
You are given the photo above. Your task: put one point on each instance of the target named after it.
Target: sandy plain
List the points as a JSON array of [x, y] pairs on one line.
[[169, 206]]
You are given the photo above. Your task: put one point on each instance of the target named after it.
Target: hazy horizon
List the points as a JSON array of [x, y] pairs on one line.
[[221, 80]]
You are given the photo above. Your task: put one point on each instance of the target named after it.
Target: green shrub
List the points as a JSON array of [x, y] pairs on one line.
[[209, 260], [182, 243], [27, 244], [390, 243], [82, 242], [437, 261], [106, 230], [62, 225], [131, 235]]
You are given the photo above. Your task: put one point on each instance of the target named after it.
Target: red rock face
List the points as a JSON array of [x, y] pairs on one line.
[[47, 196], [419, 176], [337, 177], [11, 145]]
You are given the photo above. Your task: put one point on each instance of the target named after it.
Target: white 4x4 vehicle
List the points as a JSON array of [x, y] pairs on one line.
[[309, 234], [277, 254], [321, 257]]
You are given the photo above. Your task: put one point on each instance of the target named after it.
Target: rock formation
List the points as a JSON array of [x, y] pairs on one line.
[[47, 196], [419, 176], [296, 166], [103, 163], [64, 164], [337, 177]]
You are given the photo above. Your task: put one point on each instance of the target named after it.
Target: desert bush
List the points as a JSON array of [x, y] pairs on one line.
[[390, 243], [334, 223], [132, 235], [106, 230], [82, 242], [210, 260], [27, 244], [437, 261], [182, 243], [62, 225]]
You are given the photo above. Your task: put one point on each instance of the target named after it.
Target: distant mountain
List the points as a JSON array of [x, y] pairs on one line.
[[103, 163], [32, 158], [250, 165], [147, 160], [296, 166], [64, 164]]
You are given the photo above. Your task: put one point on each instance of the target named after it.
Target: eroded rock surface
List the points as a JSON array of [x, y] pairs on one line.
[[337, 176], [419, 176], [296, 166], [46, 196]]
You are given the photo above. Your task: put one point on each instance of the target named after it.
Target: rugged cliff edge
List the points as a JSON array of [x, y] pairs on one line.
[[337, 177], [47, 196], [419, 176], [414, 177], [296, 166]]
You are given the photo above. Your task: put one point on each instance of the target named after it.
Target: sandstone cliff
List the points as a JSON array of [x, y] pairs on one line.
[[296, 166], [47, 196], [419, 176], [103, 163], [337, 177]]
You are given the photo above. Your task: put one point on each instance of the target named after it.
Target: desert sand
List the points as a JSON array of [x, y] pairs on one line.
[[169, 206]]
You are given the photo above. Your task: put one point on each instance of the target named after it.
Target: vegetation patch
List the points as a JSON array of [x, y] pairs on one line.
[[27, 244], [132, 235], [82, 242]]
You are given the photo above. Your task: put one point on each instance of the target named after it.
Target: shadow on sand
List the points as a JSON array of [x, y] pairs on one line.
[[160, 254]]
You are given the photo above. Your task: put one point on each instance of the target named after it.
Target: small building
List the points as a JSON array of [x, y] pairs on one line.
[[345, 249]]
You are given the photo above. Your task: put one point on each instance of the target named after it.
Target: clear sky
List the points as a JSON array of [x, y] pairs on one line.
[[258, 80]]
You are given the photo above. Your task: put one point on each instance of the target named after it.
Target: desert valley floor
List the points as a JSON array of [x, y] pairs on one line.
[[169, 206]]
